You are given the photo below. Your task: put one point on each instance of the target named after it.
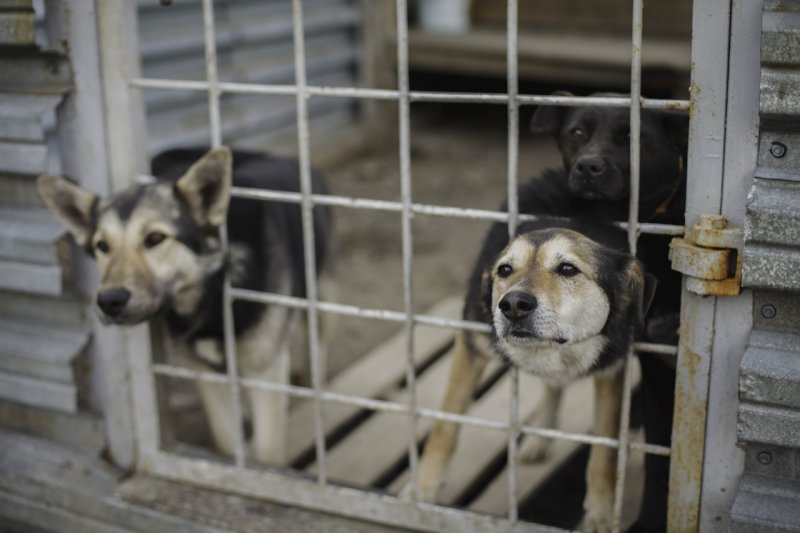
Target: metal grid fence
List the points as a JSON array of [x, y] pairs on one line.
[[329, 497]]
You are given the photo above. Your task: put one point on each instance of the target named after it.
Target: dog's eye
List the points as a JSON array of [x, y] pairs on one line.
[[567, 270], [153, 239], [577, 134], [102, 247], [504, 271]]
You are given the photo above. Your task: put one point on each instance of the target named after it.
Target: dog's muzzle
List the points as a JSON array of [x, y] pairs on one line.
[[591, 177], [112, 302], [518, 307]]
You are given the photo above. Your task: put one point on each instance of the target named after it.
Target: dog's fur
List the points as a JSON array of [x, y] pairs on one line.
[[160, 255], [594, 186], [564, 302]]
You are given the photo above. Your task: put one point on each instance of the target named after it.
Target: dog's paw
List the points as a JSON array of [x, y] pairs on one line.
[[534, 449], [596, 524], [426, 492], [599, 516]]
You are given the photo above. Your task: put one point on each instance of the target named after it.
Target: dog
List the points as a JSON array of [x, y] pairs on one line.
[[564, 301], [160, 256], [594, 184]]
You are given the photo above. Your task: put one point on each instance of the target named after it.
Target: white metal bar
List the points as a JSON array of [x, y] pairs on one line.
[[633, 235], [393, 407], [635, 124], [307, 206], [624, 444], [212, 82], [424, 209], [399, 316], [227, 302], [404, 111], [282, 487], [414, 96], [512, 88]]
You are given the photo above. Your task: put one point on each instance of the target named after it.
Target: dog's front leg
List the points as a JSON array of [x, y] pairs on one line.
[[270, 411], [465, 370], [545, 415], [600, 472], [218, 405]]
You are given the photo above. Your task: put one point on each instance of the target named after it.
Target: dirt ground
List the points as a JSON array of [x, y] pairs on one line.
[[459, 157]]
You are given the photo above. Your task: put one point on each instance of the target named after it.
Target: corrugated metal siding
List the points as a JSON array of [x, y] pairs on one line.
[[254, 44], [41, 341], [769, 412]]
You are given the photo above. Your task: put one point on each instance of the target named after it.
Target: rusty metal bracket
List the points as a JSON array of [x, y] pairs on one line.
[[710, 256]]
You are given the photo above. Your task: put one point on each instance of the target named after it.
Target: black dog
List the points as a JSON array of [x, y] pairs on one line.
[[595, 184]]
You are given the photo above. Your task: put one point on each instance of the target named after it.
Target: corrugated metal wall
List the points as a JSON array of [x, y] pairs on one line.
[[43, 327], [769, 391], [254, 45]]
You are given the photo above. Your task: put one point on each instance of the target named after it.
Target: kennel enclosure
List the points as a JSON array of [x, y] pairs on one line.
[[728, 153]]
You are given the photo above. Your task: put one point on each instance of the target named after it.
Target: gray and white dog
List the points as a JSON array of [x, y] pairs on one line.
[[160, 256]]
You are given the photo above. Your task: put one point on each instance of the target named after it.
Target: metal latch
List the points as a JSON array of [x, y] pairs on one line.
[[710, 256]]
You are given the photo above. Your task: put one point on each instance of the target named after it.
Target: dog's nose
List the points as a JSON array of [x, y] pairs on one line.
[[590, 166], [113, 301], [517, 304]]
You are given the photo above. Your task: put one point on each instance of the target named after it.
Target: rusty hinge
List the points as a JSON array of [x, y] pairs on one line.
[[710, 256]]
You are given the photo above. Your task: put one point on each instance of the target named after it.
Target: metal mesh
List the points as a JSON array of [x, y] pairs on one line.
[[407, 208]]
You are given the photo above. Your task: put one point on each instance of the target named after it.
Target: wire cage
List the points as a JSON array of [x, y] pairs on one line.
[[124, 83]]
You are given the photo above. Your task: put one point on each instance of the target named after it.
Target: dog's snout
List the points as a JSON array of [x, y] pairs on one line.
[[113, 301], [591, 166], [517, 304]]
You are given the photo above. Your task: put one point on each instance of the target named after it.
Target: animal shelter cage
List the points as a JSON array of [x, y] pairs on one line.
[[721, 155]]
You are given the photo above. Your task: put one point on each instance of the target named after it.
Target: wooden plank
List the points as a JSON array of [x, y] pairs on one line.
[[554, 48], [38, 393], [23, 117], [42, 517], [661, 17], [35, 458], [23, 157], [26, 277], [29, 235], [39, 350], [193, 509], [372, 376], [551, 56], [69, 311], [80, 430], [16, 27], [477, 446], [59, 488], [380, 442], [573, 416]]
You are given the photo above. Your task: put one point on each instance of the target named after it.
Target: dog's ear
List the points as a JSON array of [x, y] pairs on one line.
[[206, 187], [548, 118], [71, 205], [641, 289]]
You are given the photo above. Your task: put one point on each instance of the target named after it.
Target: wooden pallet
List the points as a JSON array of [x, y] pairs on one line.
[[369, 449]]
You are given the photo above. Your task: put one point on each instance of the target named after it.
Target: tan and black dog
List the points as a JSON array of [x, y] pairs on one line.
[[564, 301], [594, 183], [160, 256]]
